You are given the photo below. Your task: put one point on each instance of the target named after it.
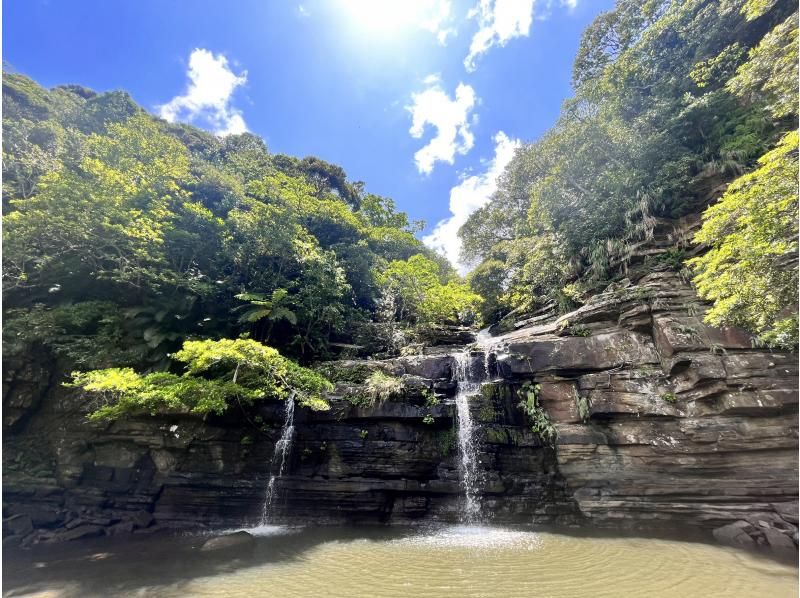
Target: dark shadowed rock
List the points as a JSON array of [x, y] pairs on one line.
[[80, 532], [122, 528], [142, 519], [734, 534], [17, 525], [779, 542]]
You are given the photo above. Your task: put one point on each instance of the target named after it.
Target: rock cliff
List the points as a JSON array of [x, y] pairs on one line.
[[661, 420]]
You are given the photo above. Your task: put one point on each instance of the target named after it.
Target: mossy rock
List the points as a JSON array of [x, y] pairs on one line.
[[496, 435], [446, 441]]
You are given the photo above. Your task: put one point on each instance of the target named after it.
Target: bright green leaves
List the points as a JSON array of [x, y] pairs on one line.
[[530, 404], [770, 73], [414, 289], [259, 307], [217, 372], [106, 220], [134, 159], [751, 270]]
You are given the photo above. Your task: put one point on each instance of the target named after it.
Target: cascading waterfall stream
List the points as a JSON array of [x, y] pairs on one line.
[[467, 447], [282, 448]]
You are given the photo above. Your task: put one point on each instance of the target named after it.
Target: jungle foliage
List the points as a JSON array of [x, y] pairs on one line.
[[126, 238], [674, 100], [217, 373]]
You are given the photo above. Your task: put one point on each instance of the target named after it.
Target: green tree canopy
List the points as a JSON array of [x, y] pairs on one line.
[[216, 374]]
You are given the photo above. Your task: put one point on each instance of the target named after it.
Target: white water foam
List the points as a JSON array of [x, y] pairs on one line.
[[475, 537]]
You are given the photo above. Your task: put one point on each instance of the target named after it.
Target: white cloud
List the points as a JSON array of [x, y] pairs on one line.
[[544, 8], [303, 11], [499, 21], [438, 20], [470, 194], [208, 97], [450, 118]]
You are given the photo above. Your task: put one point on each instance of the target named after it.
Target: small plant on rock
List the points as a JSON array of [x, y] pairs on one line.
[[669, 397], [446, 441], [487, 413], [380, 387], [583, 404], [579, 330], [717, 349], [431, 400], [540, 420], [573, 329], [672, 259]]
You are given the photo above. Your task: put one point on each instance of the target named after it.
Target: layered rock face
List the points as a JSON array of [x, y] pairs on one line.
[[392, 462], [661, 420]]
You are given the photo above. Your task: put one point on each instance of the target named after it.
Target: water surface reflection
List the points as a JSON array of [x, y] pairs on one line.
[[398, 562]]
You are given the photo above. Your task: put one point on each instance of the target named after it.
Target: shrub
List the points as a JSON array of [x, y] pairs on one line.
[[573, 329], [540, 420], [582, 403], [217, 372], [380, 387], [431, 400], [672, 259]]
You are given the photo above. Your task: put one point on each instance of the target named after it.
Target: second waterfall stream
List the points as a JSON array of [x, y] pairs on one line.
[[468, 382], [282, 448]]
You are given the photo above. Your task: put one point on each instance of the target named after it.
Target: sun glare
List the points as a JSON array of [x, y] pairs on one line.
[[393, 17]]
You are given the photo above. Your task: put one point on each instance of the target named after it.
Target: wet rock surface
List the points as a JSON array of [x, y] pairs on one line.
[[235, 542], [662, 420]]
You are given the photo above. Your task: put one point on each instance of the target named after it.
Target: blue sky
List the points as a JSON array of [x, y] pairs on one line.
[[424, 100]]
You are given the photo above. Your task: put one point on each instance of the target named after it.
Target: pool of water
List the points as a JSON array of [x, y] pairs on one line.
[[405, 563]]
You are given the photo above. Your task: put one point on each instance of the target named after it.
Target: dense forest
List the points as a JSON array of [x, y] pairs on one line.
[[126, 237], [675, 102], [174, 269]]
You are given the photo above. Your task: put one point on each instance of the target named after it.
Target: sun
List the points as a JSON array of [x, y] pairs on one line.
[[393, 17]]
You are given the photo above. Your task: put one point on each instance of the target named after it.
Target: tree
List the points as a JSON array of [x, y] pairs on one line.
[[418, 295], [751, 270], [107, 219], [217, 373], [770, 73], [669, 106], [121, 243]]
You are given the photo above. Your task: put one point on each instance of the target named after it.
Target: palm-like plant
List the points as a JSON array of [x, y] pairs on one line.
[[260, 307]]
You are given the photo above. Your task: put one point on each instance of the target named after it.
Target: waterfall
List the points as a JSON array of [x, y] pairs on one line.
[[468, 451], [484, 341], [282, 448]]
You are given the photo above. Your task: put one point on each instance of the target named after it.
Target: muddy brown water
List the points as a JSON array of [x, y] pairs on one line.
[[399, 562]]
